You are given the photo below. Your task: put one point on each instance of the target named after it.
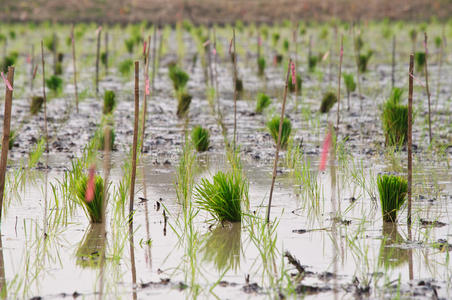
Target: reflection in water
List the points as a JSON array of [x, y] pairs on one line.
[[132, 260], [92, 247], [2, 272], [390, 255], [223, 246]]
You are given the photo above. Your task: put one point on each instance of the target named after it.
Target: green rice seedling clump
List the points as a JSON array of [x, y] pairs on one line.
[[292, 86], [350, 86], [125, 67], [179, 77], [93, 209], [200, 138], [103, 58], [263, 101], [109, 102], [392, 190], [261, 63], [273, 127], [239, 85], [363, 61], [9, 60], [328, 101], [130, 44], [36, 104], [223, 196], [419, 58], [100, 136], [183, 104], [55, 84], [275, 38], [312, 63], [395, 119], [12, 139]]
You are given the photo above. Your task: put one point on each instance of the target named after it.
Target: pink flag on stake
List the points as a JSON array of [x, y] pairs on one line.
[[214, 51], [292, 66], [325, 150], [28, 58], [147, 85], [342, 51], [7, 82], [259, 41], [89, 194]]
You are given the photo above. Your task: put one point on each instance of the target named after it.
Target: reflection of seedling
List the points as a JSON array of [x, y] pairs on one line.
[[263, 101], [125, 67], [392, 190], [223, 196], [390, 256], [419, 57], [261, 65], [55, 84], [223, 245], [200, 138], [292, 86], [93, 208], [395, 119], [36, 104], [328, 101], [183, 104], [273, 127], [109, 102], [363, 60], [91, 248], [350, 85]]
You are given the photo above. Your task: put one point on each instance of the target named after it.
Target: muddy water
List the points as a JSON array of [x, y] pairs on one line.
[[337, 236]]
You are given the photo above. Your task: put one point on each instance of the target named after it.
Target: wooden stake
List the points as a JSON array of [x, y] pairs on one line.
[[393, 61], [427, 88], [97, 60], [154, 58], [32, 67], [44, 96], [295, 62], [55, 55], [234, 61], [135, 139], [410, 129], [441, 56], [74, 67], [278, 144], [358, 80], [106, 52], [6, 132], [339, 86], [146, 80]]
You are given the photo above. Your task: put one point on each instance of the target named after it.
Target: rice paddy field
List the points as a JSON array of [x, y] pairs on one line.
[[142, 159]]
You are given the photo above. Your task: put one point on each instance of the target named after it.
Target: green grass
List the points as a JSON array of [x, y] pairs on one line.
[[36, 104], [55, 84], [223, 196], [261, 64], [263, 101], [395, 119], [273, 127], [392, 190], [109, 102], [328, 101], [200, 138], [93, 209]]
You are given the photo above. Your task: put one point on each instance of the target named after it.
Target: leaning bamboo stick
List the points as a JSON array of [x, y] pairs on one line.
[[44, 96], [410, 141], [427, 88], [145, 92], [75, 68], [234, 61], [6, 132], [278, 144], [339, 86], [99, 30], [135, 140]]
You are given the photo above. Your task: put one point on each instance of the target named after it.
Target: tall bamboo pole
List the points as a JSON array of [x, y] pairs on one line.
[[410, 130]]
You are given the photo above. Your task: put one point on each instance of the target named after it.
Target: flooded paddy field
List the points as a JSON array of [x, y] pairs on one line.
[[327, 237]]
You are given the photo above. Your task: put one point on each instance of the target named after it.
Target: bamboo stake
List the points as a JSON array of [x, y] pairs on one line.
[[441, 56], [32, 61], [6, 132], [135, 141], [410, 129], [145, 93], [295, 62], [278, 144], [235, 88], [74, 67], [393, 61], [209, 60], [55, 55], [99, 30], [154, 58], [427, 88], [106, 52], [44, 96], [339, 86], [358, 80]]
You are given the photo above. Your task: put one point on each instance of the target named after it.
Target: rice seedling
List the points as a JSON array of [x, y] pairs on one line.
[[350, 86], [183, 104], [420, 59], [395, 119], [100, 138], [263, 101], [261, 64], [363, 61], [179, 77], [275, 39], [292, 86], [273, 127], [239, 86], [9, 60], [91, 203], [392, 190], [130, 44], [200, 138], [109, 102], [312, 63], [224, 196], [278, 59], [55, 84], [125, 67], [328, 101], [91, 247], [36, 104]]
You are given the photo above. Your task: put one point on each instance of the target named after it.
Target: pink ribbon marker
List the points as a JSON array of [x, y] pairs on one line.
[[206, 43], [89, 194], [214, 51], [259, 41], [7, 82], [292, 66], [417, 80], [28, 58], [325, 150], [147, 86]]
